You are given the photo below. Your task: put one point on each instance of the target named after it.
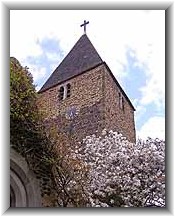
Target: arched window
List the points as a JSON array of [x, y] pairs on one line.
[[68, 90], [64, 92], [61, 93]]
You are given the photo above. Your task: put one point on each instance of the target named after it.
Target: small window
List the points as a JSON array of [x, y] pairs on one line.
[[121, 101], [61, 93], [68, 90]]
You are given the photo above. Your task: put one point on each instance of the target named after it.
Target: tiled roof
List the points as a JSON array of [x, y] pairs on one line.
[[82, 57]]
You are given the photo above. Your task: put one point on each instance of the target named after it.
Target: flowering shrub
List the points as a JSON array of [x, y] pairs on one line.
[[123, 174]]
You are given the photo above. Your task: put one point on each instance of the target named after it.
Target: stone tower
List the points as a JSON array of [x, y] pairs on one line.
[[83, 97]]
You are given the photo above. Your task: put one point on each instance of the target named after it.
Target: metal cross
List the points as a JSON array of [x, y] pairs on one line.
[[84, 24]]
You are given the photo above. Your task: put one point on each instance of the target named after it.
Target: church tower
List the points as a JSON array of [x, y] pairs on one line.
[[83, 97]]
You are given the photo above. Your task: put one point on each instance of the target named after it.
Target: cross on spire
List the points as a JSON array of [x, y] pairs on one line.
[[84, 25]]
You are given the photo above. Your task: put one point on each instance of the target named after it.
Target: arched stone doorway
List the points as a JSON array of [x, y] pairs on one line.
[[24, 187]]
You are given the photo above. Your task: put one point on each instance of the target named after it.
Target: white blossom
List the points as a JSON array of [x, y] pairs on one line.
[[123, 173]]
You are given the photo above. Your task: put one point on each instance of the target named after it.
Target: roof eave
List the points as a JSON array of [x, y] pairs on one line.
[[59, 83]]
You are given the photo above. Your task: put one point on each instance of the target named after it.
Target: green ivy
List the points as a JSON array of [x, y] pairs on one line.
[[27, 133]]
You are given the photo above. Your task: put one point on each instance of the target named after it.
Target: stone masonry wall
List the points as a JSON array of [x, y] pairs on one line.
[[117, 118], [86, 97], [95, 96]]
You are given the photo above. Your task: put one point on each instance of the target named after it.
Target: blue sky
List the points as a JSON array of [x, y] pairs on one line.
[[132, 43]]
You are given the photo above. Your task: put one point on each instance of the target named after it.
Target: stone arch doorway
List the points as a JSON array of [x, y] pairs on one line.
[[24, 187]]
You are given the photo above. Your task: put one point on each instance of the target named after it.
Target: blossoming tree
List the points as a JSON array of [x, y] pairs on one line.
[[123, 174]]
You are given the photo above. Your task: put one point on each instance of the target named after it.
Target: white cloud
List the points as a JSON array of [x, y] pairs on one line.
[[154, 92], [53, 57], [154, 128]]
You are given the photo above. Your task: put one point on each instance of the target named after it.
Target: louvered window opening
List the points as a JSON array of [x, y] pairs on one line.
[[68, 90], [61, 94], [64, 92]]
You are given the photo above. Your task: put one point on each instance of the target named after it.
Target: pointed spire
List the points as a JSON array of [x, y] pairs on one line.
[[83, 56]]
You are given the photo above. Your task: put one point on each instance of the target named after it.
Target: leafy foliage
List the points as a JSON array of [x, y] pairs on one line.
[[27, 133], [69, 173], [23, 111], [47, 155]]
